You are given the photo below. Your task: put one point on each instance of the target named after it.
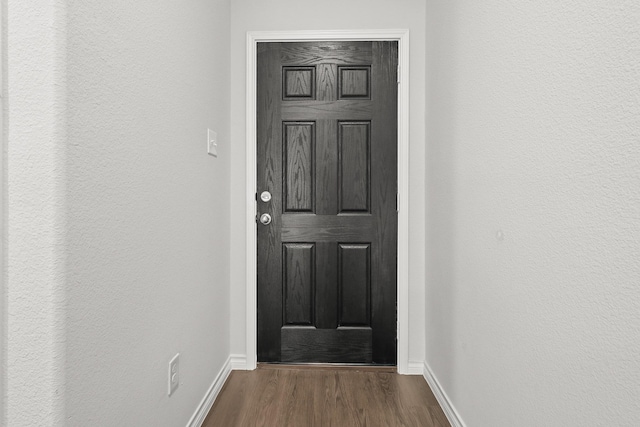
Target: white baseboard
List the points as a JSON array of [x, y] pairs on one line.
[[415, 368], [238, 362], [445, 403], [207, 402]]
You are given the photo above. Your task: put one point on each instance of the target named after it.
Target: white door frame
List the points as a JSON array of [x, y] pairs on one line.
[[402, 37]]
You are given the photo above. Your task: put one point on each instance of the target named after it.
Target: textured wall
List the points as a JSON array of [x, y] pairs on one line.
[[35, 204], [328, 15], [533, 225], [118, 224], [3, 228]]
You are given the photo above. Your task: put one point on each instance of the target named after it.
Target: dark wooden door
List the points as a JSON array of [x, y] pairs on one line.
[[327, 153]]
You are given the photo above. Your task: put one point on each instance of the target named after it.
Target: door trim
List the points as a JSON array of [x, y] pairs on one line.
[[402, 37]]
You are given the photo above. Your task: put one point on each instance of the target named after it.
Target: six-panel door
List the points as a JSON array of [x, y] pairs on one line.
[[327, 149]]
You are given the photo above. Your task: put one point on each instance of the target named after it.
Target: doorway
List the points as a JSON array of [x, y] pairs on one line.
[[301, 253]]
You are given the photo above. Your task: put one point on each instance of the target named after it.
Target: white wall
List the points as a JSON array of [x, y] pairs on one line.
[[327, 15], [533, 225], [118, 246], [35, 203], [3, 229]]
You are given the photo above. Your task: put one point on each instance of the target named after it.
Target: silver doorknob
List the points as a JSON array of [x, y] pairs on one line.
[[265, 219], [265, 196]]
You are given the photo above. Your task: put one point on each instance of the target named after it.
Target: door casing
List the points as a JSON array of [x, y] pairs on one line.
[[402, 37]]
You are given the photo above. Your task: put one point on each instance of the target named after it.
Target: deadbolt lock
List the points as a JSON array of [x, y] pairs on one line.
[[265, 219]]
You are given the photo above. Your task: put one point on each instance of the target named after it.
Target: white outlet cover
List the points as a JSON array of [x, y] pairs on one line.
[[174, 374], [212, 142]]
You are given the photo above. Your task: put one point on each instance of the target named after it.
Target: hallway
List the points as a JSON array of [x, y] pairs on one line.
[[128, 240], [284, 395]]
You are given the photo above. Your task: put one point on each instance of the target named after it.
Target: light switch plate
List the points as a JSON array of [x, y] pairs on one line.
[[212, 142]]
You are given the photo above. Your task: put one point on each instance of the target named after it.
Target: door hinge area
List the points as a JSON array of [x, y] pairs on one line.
[[398, 71]]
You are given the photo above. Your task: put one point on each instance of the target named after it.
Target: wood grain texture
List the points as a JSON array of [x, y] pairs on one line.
[[327, 285], [330, 155], [327, 168], [354, 166], [341, 345], [354, 82], [326, 84], [298, 82], [294, 396], [269, 176], [300, 276], [322, 228], [338, 52], [384, 161], [354, 284], [327, 110], [299, 176]]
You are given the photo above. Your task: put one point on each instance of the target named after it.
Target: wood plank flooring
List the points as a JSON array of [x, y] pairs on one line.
[[307, 396]]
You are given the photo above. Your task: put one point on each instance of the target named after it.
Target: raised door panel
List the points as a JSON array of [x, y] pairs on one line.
[[299, 149], [354, 82], [354, 166], [298, 83], [299, 283], [354, 284]]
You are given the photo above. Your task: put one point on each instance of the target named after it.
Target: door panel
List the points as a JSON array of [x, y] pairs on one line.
[[299, 149], [354, 165], [299, 285], [327, 153], [354, 283]]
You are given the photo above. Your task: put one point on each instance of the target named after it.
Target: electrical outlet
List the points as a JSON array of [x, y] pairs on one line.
[[174, 373]]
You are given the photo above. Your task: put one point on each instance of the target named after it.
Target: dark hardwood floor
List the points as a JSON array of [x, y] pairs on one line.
[[302, 396]]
